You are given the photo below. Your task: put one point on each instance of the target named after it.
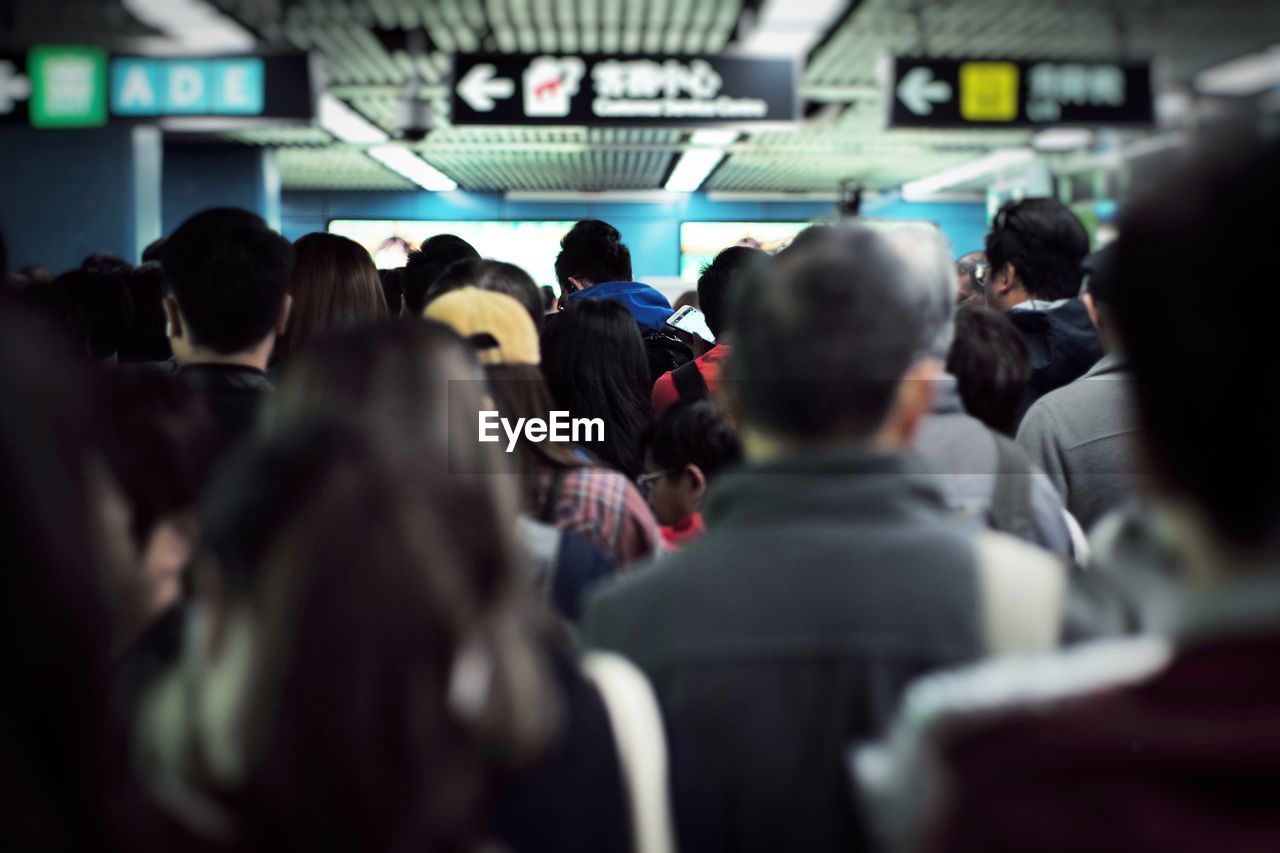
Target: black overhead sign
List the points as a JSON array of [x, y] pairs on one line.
[[523, 89], [1001, 93]]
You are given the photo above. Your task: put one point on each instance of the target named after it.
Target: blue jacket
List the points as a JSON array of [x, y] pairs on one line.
[[649, 308]]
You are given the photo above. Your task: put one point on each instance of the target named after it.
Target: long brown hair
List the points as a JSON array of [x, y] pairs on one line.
[[334, 284]]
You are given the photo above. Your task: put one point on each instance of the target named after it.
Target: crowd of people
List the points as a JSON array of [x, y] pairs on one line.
[[903, 552]]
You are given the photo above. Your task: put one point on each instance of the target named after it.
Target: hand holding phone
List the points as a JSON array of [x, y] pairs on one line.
[[693, 322]]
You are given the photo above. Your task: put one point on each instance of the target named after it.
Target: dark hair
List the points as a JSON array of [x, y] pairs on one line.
[[153, 250], [689, 297], [366, 600], [991, 365], [593, 250], [105, 262], [693, 432], [1205, 370], [497, 276], [1101, 283], [1044, 241], [594, 360], [229, 273], [52, 611], [548, 294], [334, 284], [520, 391], [718, 279], [425, 265], [392, 289], [56, 313], [824, 336], [159, 440], [105, 304], [146, 340]]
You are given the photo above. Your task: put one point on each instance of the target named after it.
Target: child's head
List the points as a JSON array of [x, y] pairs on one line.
[[685, 448]]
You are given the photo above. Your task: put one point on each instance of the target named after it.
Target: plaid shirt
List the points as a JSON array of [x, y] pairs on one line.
[[604, 507]]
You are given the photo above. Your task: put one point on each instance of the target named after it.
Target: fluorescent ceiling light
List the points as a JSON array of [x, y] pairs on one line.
[[714, 138], [399, 159], [1247, 75], [790, 27], [193, 24], [1062, 139], [991, 164], [692, 169], [347, 124]]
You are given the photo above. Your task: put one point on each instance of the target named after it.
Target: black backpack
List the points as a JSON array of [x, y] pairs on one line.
[[666, 353]]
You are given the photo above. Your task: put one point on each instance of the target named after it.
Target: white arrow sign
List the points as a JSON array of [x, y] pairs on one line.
[[919, 91], [479, 87], [13, 87]]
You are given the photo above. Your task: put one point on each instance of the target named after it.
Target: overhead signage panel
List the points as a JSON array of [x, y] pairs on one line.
[[523, 89], [1004, 93], [68, 86]]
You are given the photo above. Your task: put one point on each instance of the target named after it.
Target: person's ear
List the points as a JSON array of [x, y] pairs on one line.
[[912, 401], [282, 321], [172, 318], [696, 482]]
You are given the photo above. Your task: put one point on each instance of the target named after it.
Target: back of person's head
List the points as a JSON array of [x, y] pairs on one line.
[[990, 363], [1045, 243], [548, 294], [1205, 369], [334, 285], [105, 262], [146, 340], [57, 313], [52, 614], [594, 360], [425, 265], [824, 338], [392, 289], [153, 250], [159, 442], [106, 305], [717, 279], [229, 274], [928, 278], [689, 297], [693, 432], [593, 253], [496, 276], [368, 613]]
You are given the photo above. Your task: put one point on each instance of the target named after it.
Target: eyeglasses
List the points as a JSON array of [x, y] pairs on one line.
[[645, 481]]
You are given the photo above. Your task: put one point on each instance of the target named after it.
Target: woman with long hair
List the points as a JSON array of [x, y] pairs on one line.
[[594, 363], [335, 284]]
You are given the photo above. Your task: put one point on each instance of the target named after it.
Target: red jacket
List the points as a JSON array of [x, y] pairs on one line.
[[709, 363]]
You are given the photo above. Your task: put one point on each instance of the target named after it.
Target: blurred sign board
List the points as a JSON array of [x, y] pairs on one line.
[[1004, 93], [645, 90], [69, 86]]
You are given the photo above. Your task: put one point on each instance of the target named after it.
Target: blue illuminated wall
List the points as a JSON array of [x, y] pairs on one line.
[[651, 230], [203, 175]]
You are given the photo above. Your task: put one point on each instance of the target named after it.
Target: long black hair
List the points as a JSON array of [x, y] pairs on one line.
[[595, 365]]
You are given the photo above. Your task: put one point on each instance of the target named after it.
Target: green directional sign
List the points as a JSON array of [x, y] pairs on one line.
[[68, 86]]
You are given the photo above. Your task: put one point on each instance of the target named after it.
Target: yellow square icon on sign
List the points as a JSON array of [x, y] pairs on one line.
[[989, 91]]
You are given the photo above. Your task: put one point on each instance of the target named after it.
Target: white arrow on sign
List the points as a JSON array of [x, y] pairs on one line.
[[479, 87], [13, 87], [919, 91]]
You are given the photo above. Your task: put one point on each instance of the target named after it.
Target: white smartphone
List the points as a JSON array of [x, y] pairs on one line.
[[691, 321]]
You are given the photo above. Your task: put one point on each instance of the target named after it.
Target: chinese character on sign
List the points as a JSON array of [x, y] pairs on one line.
[[1106, 86], [645, 79]]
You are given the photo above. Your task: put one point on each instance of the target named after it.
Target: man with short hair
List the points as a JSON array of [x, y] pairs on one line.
[[985, 476], [971, 273], [700, 378], [1034, 256], [428, 263], [1152, 743], [227, 277], [831, 573], [1083, 434]]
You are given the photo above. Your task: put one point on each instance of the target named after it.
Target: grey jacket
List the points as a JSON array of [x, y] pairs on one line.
[[826, 582], [1082, 435], [961, 452]]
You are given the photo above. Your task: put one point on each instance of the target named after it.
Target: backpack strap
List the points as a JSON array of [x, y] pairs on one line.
[[690, 383], [1011, 497], [638, 734]]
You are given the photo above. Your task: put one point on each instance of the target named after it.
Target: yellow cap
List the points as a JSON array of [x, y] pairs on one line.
[[496, 324]]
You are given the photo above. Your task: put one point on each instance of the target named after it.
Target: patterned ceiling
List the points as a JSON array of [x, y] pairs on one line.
[[372, 48]]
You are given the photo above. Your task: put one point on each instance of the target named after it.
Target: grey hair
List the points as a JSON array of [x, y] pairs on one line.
[[925, 255]]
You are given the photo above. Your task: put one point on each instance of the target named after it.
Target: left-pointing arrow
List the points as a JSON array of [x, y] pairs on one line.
[[13, 86], [919, 91], [479, 87]]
